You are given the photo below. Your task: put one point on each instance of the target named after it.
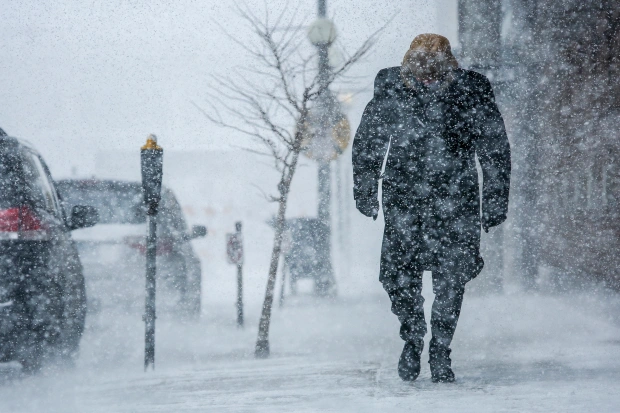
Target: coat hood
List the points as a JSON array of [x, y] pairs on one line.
[[429, 58]]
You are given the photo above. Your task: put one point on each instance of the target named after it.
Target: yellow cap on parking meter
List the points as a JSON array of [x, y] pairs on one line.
[[151, 143]]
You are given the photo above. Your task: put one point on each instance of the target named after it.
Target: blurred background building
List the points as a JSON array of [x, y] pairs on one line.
[[555, 67]]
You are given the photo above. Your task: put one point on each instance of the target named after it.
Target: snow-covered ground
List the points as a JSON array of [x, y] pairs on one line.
[[521, 352]]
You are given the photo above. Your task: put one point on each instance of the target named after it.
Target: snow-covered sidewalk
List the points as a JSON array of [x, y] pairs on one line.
[[519, 352]]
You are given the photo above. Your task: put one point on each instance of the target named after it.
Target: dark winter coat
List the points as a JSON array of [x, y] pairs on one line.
[[430, 187]]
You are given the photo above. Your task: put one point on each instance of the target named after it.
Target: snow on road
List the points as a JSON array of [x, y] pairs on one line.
[[512, 353]]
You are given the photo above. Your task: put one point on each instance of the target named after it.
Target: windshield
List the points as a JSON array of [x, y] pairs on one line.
[[116, 204]]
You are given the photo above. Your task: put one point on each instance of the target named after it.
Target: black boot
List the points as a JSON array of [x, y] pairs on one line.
[[439, 359], [409, 363]]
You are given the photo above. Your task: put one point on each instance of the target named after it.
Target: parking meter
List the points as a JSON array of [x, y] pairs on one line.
[[151, 157]]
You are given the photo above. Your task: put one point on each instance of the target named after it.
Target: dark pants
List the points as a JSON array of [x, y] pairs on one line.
[[407, 304]]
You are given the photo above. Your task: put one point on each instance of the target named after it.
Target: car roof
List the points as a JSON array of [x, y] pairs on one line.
[[103, 183], [99, 183], [15, 142]]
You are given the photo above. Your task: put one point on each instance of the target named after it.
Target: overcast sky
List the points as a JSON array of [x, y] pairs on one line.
[[77, 76]]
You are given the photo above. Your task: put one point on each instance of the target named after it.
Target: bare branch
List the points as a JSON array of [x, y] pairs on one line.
[[269, 102]]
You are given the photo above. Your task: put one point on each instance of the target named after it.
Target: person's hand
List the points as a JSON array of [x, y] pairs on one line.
[[368, 206], [492, 221]]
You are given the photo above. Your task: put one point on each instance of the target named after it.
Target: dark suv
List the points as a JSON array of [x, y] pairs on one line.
[[113, 252], [42, 295]]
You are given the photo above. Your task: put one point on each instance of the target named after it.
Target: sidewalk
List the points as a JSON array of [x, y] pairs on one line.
[[512, 353]]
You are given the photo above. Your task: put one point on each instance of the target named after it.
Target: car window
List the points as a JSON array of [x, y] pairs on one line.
[[10, 179], [115, 204], [170, 212], [45, 173], [41, 189], [121, 203]]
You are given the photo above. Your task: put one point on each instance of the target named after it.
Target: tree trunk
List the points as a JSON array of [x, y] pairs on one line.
[[262, 343]]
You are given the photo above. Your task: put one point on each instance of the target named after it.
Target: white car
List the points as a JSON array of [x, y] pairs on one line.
[[113, 253]]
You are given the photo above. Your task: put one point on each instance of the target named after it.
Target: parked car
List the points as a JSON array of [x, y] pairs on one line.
[[42, 293], [114, 251]]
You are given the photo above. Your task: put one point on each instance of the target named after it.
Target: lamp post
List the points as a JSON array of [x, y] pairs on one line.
[[322, 33], [151, 160]]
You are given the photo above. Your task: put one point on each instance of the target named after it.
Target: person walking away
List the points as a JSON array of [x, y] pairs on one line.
[[431, 118]]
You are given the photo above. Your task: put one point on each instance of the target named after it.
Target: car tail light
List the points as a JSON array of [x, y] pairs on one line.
[[164, 246], [9, 220], [136, 243], [21, 223]]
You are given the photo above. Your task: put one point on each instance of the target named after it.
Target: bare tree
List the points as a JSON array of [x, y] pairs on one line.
[[271, 103]]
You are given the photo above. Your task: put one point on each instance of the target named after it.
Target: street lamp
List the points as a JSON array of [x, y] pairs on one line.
[[151, 162], [322, 33]]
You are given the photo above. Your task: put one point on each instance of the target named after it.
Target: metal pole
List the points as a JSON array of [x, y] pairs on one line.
[[322, 8], [346, 208], [151, 163], [324, 165], [240, 295], [324, 169], [239, 282], [151, 272], [325, 194], [340, 212]]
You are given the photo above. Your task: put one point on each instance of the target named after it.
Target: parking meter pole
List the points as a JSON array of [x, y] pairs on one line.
[[239, 281], [234, 253], [151, 160], [240, 295], [150, 309]]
